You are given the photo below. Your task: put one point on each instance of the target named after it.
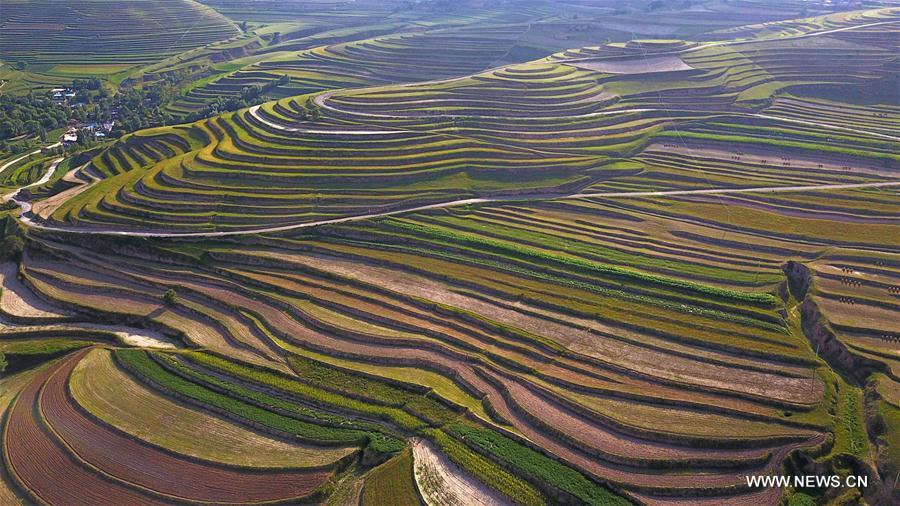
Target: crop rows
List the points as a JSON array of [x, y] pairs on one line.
[[556, 340], [105, 465], [572, 404], [380, 60], [47, 33], [546, 128], [114, 397], [856, 295], [550, 326]]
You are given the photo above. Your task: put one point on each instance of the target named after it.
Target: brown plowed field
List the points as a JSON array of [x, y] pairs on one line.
[[43, 468], [122, 457]]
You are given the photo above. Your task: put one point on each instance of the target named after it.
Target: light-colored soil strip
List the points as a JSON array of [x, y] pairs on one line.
[[442, 483], [636, 66], [615, 352], [17, 300], [126, 335], [46, 207]]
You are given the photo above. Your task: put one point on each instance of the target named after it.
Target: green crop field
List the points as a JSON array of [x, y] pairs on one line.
[[49, 42], [509, 252]]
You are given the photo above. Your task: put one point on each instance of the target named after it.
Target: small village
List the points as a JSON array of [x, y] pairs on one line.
[[98, 130]]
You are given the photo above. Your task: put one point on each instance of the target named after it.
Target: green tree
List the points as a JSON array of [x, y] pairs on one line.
[[170, 298], [11, 248], [32, 126]]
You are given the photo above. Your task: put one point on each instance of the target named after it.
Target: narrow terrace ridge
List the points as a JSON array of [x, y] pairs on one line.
[[27, 219]]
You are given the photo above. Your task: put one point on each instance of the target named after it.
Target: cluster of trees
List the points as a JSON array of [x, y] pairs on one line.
[[170, 298], [11, 246], [93, 83], [137, 108], [310, 111], [223, 104], [249, 95], [132, 108], [30, 114], [11, 242]]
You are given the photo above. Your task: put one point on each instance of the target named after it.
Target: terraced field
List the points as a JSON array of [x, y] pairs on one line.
[[379, 60], [338, 45], [548, 128], [690, 365], [57, 41], [626, 273]]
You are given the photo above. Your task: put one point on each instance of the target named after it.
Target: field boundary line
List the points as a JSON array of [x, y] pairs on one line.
[[27, 220]]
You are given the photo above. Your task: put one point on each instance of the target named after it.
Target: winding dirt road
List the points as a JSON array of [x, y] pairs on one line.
[[25, 205], [321, 100], [43, 180], [14, 160], [27, 220]]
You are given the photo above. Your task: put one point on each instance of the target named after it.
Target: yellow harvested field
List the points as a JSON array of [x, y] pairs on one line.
[[102, 388]]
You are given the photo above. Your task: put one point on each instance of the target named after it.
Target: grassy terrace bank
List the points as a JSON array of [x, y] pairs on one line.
[[654, 349]]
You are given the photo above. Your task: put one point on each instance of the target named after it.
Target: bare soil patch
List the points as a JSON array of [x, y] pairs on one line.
[[442, 483], [636, 65], [17, 300]]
